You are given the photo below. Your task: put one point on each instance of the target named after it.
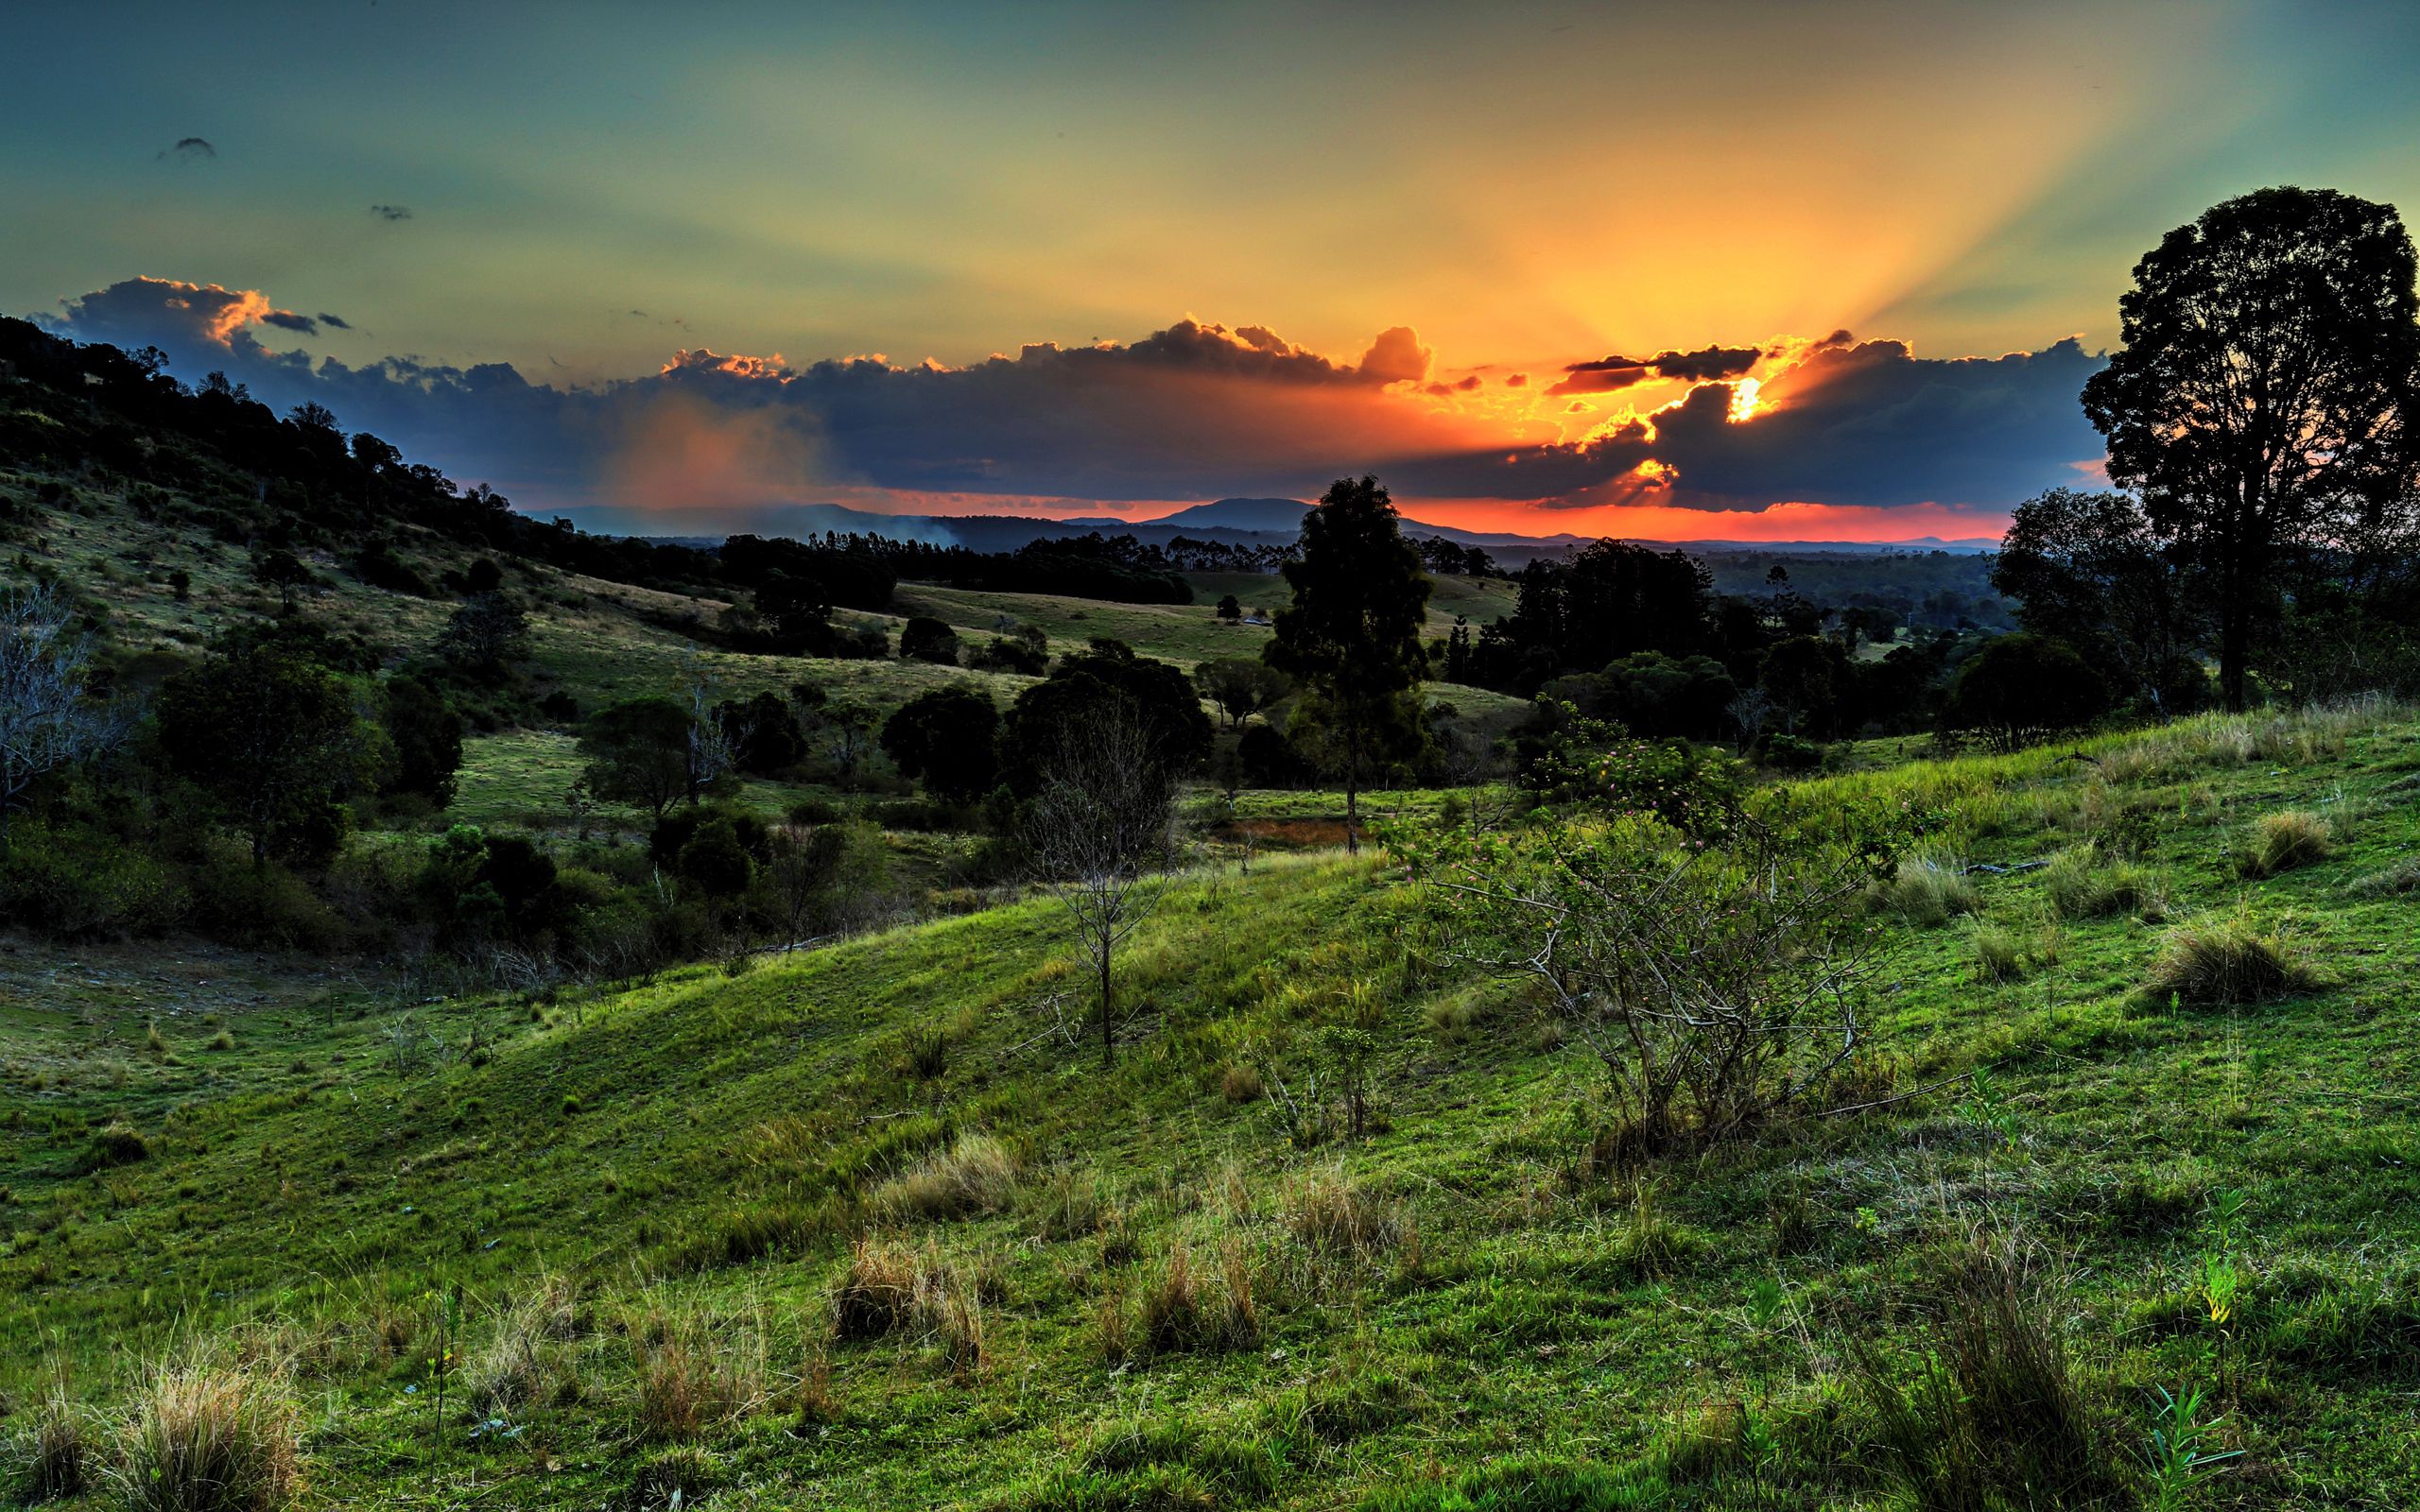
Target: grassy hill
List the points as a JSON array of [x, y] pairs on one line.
[[859, 1227]]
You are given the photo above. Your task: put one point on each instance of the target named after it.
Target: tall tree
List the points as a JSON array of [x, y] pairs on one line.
[[2085, 569], [638, 753], [2259, 402], [945, 739], [1352, 635], [275, 736]]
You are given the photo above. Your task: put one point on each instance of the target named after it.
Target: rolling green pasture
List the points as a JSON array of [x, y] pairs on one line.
[[1154, 1285]]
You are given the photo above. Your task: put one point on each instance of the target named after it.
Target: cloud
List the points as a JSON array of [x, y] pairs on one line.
[[1396, 355], [188, 149], [1609, 374], [391, 213], [1194, 410], [336, 321], [1869, 423]]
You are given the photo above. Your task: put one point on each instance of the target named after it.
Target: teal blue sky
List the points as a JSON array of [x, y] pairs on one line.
[[584, 192]]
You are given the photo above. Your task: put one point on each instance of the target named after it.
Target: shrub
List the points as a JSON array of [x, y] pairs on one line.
[[976, 1174], [73, 884], [2224, 963], [1929, 890], [209, 1436], [2284, 841]]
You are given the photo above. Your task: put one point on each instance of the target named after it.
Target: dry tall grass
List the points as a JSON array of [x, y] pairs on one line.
[[975, 1173], [208, 1433]]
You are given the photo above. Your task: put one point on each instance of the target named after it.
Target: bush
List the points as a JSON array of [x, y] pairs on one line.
[[923, 639], [72, 884], [2226, 963], [2284, 841], [208, 1435]]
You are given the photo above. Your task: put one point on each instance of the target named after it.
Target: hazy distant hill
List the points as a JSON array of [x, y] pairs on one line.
[[1236, 521]]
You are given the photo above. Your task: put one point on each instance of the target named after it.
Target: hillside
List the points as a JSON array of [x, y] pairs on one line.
[[1156, 1286]]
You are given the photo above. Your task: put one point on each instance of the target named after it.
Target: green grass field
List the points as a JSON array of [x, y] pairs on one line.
[[1141, 1287]]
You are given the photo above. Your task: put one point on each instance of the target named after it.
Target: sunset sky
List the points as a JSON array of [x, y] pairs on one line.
[[1795, 272]]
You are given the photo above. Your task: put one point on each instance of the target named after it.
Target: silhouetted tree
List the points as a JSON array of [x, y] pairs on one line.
[[2259, 403], [944, 739], [2026, 684], [427, 735], [2085, 568], [274, 736], [923, 639], [1352, 635], [638, 753], [485, 634], [282, 570], [1240, 689]]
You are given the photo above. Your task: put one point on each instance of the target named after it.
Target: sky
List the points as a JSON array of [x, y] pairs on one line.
[[1798, 271]]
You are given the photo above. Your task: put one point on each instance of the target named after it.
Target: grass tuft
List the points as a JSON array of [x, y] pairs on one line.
[[1929, 891], [976, 1174], [2225, 963], [207, 1434], [1333, 1214], [2286, 841]]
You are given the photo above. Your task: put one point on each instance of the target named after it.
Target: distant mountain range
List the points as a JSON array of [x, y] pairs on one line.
[[1236, 521]]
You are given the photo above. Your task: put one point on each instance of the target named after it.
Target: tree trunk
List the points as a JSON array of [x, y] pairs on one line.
[[1108, 1044], [2234, 650]]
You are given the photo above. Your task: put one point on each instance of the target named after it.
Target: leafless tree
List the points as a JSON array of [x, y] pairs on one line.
[[47, 722], [1749, 712], [711, 755], [1103, 827]]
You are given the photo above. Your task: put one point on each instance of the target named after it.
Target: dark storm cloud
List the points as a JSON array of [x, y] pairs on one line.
[[1706, 365], [391, 213], [1196, 410], [1869, 423], [1610, 375]]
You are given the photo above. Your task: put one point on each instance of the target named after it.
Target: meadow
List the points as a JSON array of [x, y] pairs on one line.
[[872, 1225]]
